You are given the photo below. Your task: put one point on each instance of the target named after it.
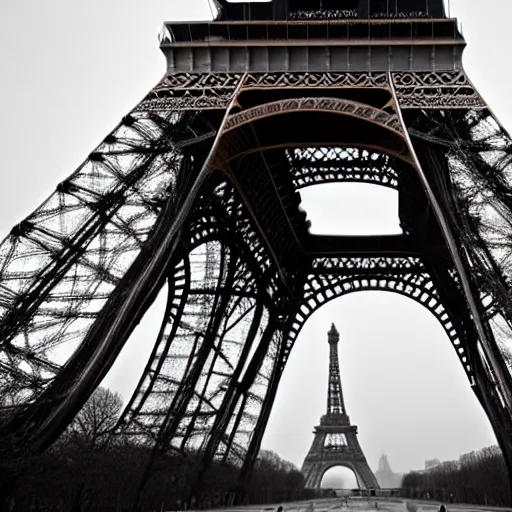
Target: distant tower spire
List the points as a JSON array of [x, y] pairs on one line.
[[384, 466], [335, 403]]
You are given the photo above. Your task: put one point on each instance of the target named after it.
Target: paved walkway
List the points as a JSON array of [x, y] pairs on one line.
[[330, 505], [364, 505], [429, 506]]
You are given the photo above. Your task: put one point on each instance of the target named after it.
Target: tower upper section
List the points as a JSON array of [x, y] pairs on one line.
[[308, 36], [330, 9], [333, 336], [335, 402]]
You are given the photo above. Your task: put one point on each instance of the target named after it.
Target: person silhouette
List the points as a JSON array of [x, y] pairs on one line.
[[442, 508]]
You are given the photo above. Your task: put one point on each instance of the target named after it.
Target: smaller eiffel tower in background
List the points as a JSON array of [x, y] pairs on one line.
[[335, 442]]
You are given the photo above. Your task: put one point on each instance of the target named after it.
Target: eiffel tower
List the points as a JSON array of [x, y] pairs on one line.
[[197, 189], [335, 442]]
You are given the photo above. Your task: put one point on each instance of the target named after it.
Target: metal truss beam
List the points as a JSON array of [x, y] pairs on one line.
[[341, 246], [311, 166]]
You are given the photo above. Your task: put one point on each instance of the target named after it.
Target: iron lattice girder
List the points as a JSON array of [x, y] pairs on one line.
[[385, 245], [80, 241], [159, 175], [479, 152], [321, 45], [311, 166], [218, 431], [271, 170], [427, 90], [278, 124], [368, 266], [275, 215], [272, 197], [223, 215], [479, 168], [327, 105], [334, 277]]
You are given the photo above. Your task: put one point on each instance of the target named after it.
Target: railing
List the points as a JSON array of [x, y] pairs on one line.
[[345, 14], [309, 29]]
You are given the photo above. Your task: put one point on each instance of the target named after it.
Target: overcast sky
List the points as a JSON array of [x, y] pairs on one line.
[[71, 70]]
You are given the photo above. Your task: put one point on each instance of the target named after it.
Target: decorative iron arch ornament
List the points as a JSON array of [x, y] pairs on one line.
[[199, 187], [317, 165], [323, 104], [336, 278]]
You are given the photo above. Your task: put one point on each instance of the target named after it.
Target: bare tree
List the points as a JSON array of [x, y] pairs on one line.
[[93, 425], [10, 394], [479, 477]]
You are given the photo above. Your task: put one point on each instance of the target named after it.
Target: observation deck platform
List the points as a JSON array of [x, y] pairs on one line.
[[354, 45]]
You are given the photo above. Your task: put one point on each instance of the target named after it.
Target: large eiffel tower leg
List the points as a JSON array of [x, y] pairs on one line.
[[474, 201], [365, 477], [275, 364], [169, 246], [220, 433], [204, 385], [100, 261]]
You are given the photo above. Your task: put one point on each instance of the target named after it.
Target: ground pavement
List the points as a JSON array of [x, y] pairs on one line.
[[364, 505]]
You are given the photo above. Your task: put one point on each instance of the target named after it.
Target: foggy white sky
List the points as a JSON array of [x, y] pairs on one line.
[[71, 70]]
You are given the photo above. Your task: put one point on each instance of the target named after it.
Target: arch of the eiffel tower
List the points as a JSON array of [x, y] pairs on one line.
[[198, 188]]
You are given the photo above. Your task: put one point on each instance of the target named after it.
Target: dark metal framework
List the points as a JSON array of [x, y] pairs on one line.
[[335, 442], [198, 189]]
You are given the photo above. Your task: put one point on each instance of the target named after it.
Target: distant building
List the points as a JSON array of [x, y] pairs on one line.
[[385, 476], [431, 464]]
